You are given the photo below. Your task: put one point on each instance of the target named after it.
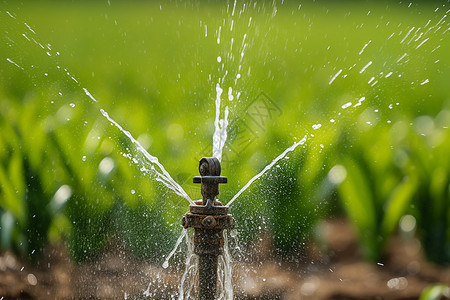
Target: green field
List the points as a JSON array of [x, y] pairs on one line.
[[65, 172]]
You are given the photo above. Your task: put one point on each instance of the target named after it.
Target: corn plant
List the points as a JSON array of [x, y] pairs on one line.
[[30, 201], [427, 146], [374, 193]]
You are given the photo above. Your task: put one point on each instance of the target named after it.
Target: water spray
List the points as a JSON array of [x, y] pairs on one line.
[[209, 218]]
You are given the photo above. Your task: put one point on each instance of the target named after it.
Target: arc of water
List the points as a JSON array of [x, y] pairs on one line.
[[268, 167], [162, 175], [177, 244]]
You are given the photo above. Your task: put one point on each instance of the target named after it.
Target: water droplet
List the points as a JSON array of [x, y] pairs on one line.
[[316, 126], [72, 104], [230, 95], [425, 81], [133, 192], [218, 35], [10, 14], [335, 76], [364, 47], [346, 105], [365, 67]]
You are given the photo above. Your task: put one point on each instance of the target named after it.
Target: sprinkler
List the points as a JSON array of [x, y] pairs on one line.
[[209, 218]]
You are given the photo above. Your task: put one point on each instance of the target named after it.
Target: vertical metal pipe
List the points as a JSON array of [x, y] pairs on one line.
[[208, 245], [207, 276], [209, 218]]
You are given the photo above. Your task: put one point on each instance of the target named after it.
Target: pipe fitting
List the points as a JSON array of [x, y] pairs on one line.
[[209, 222]]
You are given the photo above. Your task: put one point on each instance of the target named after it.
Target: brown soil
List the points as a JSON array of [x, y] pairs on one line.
[[332, 270]]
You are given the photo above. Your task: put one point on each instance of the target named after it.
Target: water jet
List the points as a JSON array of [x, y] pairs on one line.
[[209, 218]]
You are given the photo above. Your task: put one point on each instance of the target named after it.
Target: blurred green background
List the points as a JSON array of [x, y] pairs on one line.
[[66, 173]]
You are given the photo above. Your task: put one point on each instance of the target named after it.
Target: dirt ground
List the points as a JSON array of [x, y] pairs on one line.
[[331, 270]]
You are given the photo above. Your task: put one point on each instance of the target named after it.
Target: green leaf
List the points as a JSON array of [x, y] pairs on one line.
[[435, 292], [9, 199], [397, 203], [359, 204], [357, 197], [16, 173]]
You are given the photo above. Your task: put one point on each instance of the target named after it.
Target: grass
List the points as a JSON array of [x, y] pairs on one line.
[[154, 69]]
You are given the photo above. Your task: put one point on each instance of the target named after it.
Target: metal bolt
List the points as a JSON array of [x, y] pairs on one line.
[[209, 222]]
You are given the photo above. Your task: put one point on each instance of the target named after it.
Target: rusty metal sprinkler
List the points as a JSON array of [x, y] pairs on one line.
[[209, 218]]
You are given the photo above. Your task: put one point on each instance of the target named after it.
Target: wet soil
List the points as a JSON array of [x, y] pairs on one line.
[[330, 269]]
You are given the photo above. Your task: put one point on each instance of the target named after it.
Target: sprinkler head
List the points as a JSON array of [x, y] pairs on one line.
[[209, 169]]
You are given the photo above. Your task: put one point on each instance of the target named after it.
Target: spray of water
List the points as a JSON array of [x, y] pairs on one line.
[[188, 285], [226, 64], [267, 168], [220, 133], [161, 174], [177, 244], [225, 271], [188, 288]]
